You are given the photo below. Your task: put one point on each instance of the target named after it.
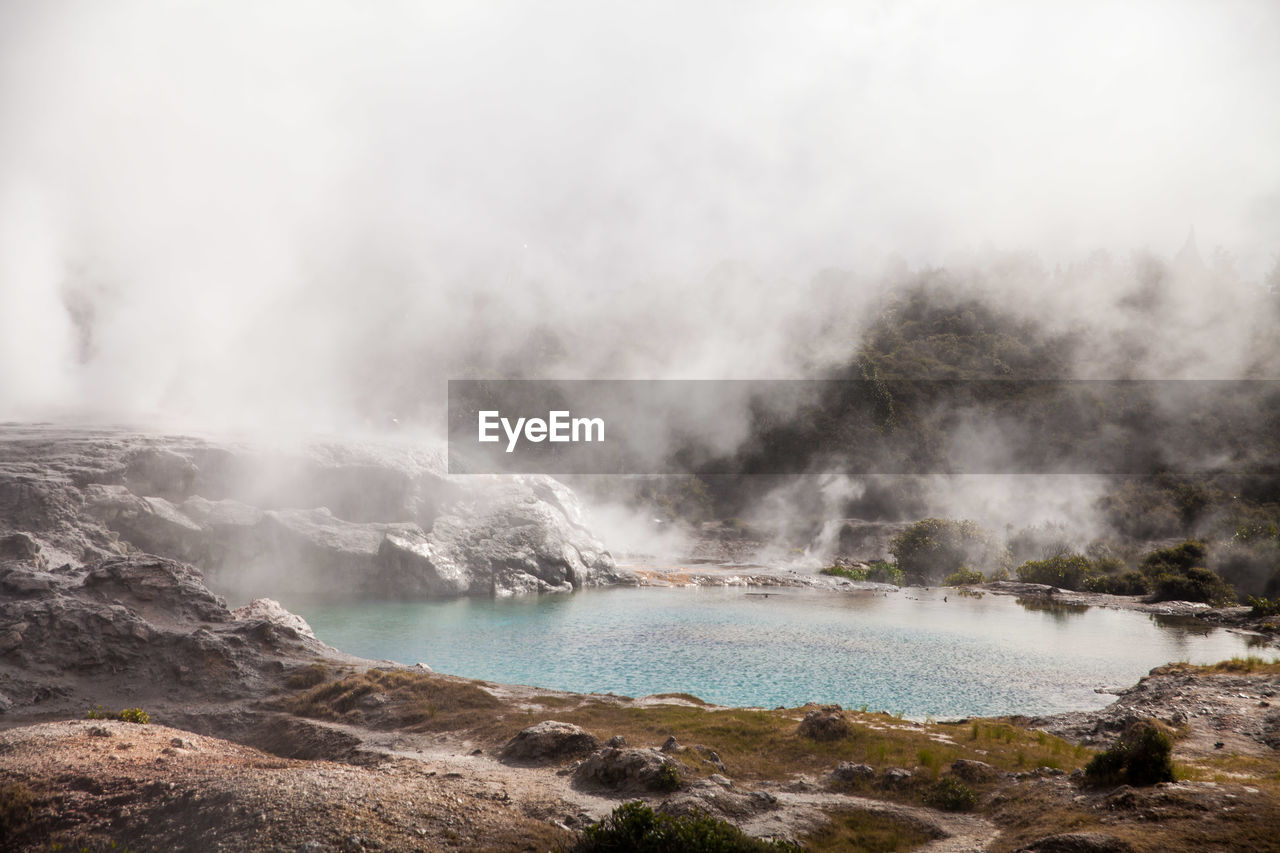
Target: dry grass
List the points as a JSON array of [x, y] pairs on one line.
[[757, 745], [869, 831], [1239, 665], [396, 699], [687, 697], [754, 744], [308, 676], [1156, 821], [1259, 771]]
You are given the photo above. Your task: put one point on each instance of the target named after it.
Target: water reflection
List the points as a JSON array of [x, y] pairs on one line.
[[1184, 624], [1060, 611]]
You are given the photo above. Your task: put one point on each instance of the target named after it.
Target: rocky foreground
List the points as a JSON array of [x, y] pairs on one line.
[[261, 738], [241, 731]]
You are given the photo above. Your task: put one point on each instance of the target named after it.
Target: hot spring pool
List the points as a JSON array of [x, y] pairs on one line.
[[907, 652]]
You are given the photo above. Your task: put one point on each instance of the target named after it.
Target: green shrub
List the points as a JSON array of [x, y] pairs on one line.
[[636, 828], [1067, 571], [951, 795], [936, 547], [1264, 606], [135, 715], [845, 572], [963, 577], [1195, 584], [128, 715], [882, 572], [1142, 756], [878, 572], [1104, 565], [668, 778], [1175, 560], [1126, 583]]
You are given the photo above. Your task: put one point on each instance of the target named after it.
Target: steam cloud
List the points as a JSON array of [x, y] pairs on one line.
[[309, 216]]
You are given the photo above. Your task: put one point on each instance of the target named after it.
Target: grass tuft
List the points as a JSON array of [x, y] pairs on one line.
[[128, 715]]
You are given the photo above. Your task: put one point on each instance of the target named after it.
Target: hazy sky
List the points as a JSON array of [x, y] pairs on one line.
[[238, 198]]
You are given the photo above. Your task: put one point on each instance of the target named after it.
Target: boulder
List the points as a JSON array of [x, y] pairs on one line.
[[895, 777], [825, 724], [415, 564], [270, 610], [516, 536], [974, 771], [847, 772], [549, 741], [709, 797], [628, 770]]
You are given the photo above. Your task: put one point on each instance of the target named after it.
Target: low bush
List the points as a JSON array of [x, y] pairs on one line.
[[1142, 756], [1264, 606], [1175, 560], [128, 715], [963, 577], [1125, 583], [936, 547], [1068, 571], [882, 572], [636, 828], [668, 778], [877, 572], [17, 806], [845, 572], [951, 795]]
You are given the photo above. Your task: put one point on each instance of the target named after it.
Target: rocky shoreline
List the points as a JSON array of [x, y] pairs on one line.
[[1266, 630]]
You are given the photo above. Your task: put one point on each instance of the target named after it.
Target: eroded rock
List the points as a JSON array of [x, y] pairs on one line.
[[549, 741], [1078, 842], [974, 771], [708, 797], [22, 547], [126, 628], [847, 772]]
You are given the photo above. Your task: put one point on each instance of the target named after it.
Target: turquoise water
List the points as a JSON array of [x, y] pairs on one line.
[[909, 652]]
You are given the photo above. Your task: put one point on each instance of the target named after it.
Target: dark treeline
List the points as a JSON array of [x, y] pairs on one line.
[[947, 380]]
